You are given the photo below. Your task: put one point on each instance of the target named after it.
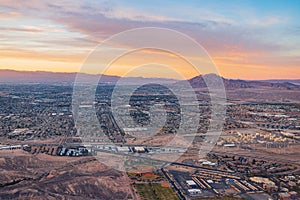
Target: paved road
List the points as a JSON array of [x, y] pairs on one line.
[[178, 191]]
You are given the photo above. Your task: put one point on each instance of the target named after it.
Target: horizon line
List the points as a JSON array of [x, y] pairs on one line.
[[113, 75]]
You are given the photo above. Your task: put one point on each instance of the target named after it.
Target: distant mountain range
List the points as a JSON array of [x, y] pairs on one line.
[[198, 82], [12, 76], [295, 82]]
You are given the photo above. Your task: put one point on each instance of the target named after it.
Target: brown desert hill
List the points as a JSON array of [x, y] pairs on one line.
[[27, 176]]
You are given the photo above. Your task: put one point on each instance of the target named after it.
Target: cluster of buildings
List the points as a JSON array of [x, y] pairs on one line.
[[249, 165], [73, 151], [201, 182], [45, 111], [38, 112], [209, 183], [252, 136], [11, 147], [262, 115]]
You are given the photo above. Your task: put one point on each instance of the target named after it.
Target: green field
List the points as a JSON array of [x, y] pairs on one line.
[[155, 191]]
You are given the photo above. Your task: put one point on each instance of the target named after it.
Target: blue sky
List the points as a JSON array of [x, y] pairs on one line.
[[246, 39]]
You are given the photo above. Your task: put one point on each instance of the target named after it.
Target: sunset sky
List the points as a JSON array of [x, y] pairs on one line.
[[246, 39]]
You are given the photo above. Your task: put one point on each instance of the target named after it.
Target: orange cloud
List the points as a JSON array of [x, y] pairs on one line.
[[9, 15], [50, 55], [155, 58]]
